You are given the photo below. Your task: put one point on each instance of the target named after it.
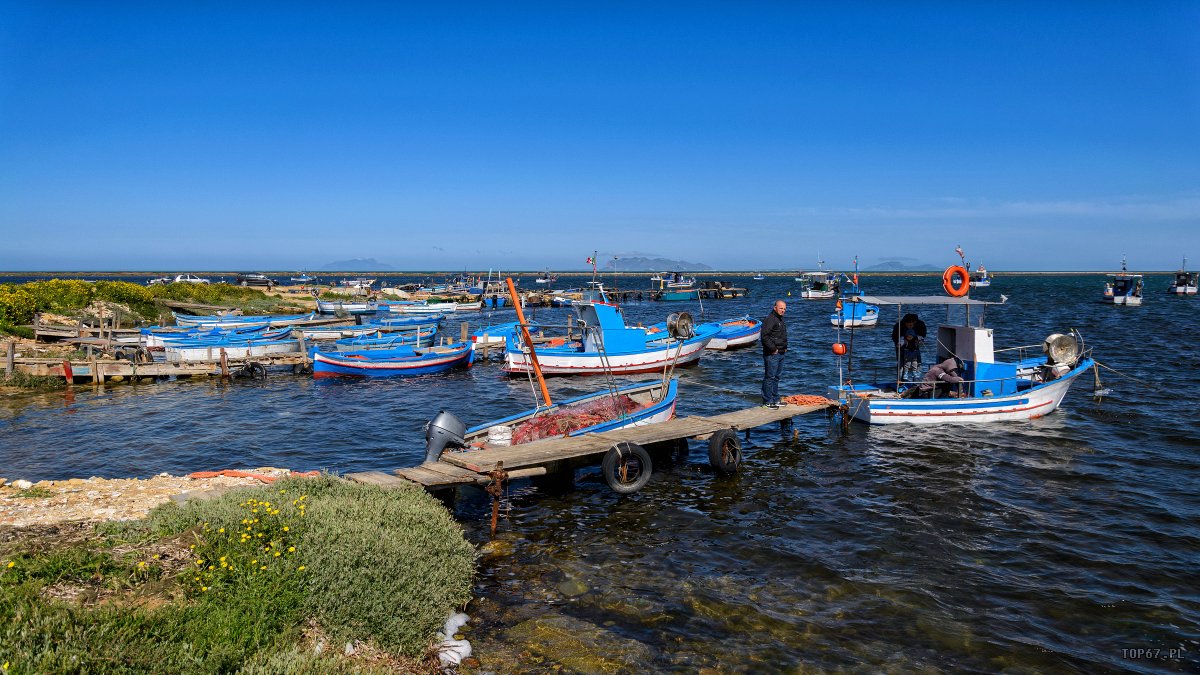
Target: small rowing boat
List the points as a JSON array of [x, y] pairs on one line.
[[396, 362]]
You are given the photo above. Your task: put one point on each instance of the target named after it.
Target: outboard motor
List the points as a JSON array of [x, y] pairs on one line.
[[444, 430]]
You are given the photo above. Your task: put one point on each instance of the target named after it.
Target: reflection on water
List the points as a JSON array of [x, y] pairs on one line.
[[1051, 545]]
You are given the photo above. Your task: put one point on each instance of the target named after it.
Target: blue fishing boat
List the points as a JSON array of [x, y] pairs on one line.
[[395, 362], [608, 345], [968, 384], [211, 321], [852, 311], [759, 277], [607, 410], [734, 333], [419, 337]]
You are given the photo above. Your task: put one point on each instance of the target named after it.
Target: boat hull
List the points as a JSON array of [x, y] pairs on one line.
[[817, 295], [556, 362], [1182, 290], [333, 307], [1131, 300], [189, 354], [735, 336], [1027, 405], [363, 365]]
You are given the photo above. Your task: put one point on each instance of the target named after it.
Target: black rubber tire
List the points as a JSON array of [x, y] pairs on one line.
[[725, 452], [619, 460]]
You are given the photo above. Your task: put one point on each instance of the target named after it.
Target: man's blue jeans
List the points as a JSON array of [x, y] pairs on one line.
[[773, 368]]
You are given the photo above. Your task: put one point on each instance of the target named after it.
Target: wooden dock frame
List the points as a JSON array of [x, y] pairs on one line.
[[491, 467]]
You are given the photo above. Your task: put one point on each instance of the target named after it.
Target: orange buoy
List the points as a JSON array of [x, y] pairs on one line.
[[839, 348], [948, 277]]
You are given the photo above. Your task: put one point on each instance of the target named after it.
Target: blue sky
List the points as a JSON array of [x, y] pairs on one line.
[[288, 135]]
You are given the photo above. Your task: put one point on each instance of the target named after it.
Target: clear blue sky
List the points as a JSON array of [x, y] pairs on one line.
[[441, 135]]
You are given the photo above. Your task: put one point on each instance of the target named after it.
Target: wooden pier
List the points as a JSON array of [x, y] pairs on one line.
[[493, 465]]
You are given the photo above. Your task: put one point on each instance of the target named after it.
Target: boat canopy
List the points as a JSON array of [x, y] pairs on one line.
[[924, 300]]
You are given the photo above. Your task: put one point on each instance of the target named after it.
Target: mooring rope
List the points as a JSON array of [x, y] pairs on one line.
[[1143, 382]]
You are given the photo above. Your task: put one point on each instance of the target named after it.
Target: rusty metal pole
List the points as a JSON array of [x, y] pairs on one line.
[[496, 490], [224, 363]]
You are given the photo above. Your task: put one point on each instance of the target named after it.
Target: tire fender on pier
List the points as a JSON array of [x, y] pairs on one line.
[[627, 467], [725, 452]]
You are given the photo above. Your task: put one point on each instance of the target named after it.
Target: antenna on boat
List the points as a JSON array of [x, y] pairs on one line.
[[537, 368]]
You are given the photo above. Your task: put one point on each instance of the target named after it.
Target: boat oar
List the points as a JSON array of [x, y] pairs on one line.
[[537, 368]]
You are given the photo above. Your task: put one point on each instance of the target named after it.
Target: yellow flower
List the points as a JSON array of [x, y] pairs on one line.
[[221, 531], [204, 588], [291, 549], [300, 568], [156, 556], [253, 562], [277, 554], [11, 564], [285, 528], [263, 567]]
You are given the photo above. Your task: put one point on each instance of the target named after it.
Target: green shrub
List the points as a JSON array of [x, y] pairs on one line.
[[17, 305], [19, 331], [383, 567]]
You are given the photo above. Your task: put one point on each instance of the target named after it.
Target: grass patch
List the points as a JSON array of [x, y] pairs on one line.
[[240, 583], [16, 331], [36, 382], [35, 492]]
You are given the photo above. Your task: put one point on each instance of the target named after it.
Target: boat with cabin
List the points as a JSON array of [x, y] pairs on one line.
[[1184, 282], [985, 389], [759, 276], [607, 345], [1123, 288], [819, 285], [852, 311], [980, 278]]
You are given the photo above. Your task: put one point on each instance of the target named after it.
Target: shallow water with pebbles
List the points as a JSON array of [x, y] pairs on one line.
[[1062, 544]]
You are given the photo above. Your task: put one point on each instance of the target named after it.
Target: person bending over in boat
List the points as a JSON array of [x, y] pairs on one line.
[[940, 377], [908, 334]]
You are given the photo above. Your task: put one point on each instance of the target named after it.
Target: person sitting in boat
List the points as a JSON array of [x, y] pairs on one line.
[[942, 377], [908, 334]]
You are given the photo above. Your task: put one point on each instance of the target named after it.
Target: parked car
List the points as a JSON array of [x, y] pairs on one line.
[[254, 279], [189, 279]]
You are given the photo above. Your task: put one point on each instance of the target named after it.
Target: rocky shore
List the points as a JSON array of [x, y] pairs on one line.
[[53, 502]]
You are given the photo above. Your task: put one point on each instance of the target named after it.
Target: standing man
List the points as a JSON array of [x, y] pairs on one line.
[[774, 344]]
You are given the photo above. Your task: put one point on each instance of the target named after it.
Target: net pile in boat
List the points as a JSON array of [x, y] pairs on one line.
[[573, 418]]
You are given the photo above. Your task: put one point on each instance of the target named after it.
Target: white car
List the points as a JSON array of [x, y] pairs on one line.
[[189, 279]]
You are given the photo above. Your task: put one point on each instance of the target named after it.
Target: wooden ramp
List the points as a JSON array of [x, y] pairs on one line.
[[472, 467]]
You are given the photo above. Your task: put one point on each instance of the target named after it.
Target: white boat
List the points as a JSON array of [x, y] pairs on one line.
[[1184, 282], [760, 276], [234, 349], [1123, 288], [360, 282], [819, 285], [991, 391], [546, 278], [346, 306], [304, 278]]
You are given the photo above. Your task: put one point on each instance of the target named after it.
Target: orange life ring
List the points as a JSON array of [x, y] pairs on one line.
[[948, 281]]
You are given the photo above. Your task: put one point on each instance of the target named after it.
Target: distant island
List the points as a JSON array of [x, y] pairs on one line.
[[654, 265], [896, 266], [357, 265]]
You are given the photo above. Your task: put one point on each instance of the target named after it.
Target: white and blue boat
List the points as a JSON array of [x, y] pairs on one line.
[[395, 362], [628, 406], [239, 320], [991, 390], [852, 311], [760, 276], [235, 346], [980, 278], [346, 306], [735, 333], [418, 337], [1123, 288], [1184, 282], [608, 345]]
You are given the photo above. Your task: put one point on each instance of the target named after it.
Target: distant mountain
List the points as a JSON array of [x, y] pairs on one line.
[[357, 265], [895, 266], [654, 265]]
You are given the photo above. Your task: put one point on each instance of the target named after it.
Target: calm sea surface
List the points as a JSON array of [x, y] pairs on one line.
[[1062, 544]]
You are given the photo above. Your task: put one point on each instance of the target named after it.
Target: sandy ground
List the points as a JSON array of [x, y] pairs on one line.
[[101, 499]]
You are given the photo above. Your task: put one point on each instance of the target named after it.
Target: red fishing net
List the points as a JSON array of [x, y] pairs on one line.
[[573, 418]]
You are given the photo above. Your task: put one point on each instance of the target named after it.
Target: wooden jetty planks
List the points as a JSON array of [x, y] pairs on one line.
[[749, 418], [376, 478], [557, 449]]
